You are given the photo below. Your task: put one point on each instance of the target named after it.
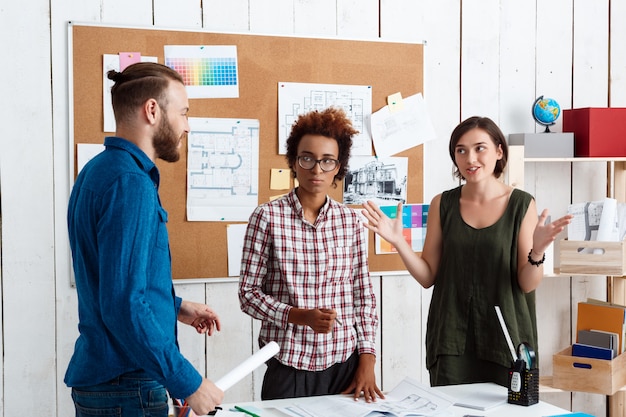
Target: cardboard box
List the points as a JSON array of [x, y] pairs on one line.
[[599, 132], [544, 145], [598, 258], [598, 376]]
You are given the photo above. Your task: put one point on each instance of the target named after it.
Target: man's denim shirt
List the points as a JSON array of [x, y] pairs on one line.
[[122, 265]]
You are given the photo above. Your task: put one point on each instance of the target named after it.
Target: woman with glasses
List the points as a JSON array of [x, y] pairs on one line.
[[304, 273]]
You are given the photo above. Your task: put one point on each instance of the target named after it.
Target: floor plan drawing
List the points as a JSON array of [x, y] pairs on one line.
[[295, 99], [222, 169]]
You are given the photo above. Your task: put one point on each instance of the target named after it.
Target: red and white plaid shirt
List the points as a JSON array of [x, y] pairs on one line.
[[288, 262]]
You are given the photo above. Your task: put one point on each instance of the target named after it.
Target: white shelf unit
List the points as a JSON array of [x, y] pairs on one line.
[[550, 180]]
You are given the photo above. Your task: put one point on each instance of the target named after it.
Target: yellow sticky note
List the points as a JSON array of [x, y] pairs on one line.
[[394, 102], [279, 179]]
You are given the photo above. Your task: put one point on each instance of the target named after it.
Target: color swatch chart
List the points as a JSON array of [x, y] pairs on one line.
[[208, 71], [198, 71], [414, 219]]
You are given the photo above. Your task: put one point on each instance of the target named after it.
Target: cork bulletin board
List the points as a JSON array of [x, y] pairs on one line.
[[199, 249]]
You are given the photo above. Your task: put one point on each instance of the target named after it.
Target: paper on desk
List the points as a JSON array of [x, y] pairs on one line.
[[482, 400], [479, 396], [408, 398], [247, 366]]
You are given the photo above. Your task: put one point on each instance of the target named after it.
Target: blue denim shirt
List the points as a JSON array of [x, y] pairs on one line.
[[126, 302]]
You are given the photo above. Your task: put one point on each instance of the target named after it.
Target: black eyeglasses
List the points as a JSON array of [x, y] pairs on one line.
[[327, 164]]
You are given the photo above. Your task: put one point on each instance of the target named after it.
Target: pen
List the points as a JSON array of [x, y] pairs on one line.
[[243, 410], [338, 321]]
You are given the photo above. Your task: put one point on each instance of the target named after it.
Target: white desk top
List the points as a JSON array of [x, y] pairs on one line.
[[457, 391]]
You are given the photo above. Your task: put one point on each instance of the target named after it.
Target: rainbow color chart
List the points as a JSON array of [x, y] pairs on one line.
[[207, 71], [414, 219]]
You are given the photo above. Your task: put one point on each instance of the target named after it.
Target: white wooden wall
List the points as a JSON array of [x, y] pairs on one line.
[[482, 57]]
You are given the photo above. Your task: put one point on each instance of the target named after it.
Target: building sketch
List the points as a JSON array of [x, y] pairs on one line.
[[379, 180]]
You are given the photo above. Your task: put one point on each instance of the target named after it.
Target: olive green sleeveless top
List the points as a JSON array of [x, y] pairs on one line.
[[477, 271]]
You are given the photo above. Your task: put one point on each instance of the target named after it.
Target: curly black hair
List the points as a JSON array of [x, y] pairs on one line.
[[332, 123]]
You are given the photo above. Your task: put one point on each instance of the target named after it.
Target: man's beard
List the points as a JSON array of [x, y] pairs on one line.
[[165, 141]]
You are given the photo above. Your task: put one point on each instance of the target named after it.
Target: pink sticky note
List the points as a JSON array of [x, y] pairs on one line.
[[127, 58]]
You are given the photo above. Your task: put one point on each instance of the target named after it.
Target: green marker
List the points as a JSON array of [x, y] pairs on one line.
[[249, 412]]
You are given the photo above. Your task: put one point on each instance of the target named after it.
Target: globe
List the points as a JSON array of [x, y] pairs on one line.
[[546, 111]]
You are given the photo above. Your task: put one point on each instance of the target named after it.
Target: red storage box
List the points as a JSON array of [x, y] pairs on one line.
[[598, 131]]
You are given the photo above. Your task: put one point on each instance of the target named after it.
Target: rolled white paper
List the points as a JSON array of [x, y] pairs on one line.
[[247, 366]]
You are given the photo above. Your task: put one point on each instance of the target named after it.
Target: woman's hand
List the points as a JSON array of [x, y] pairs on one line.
[[379, 222], [545, 234]]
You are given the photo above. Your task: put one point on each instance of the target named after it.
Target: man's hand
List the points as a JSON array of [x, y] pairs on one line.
[[200, 316], [206, 398]]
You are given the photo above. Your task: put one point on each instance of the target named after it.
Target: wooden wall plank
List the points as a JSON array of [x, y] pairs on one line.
[[517, 66], [402, 339], [554, 61], [227, 16], [179, 13], [271, 16], [192, 345], [315, 18], [402, 20], [124, 12], [480, 59], [591, 48], [617, 36], [28, 286], [357, 19], [233, 344]]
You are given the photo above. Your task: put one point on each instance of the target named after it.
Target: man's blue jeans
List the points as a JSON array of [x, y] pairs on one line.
[[129, 395]]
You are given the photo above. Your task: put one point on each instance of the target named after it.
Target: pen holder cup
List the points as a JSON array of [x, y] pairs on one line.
[[523, 386], [183, 411]]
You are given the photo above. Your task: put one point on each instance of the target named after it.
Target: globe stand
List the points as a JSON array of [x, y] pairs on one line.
[[545, 111]]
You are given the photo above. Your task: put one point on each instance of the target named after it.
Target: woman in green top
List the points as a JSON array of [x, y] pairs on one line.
[[484, 248]]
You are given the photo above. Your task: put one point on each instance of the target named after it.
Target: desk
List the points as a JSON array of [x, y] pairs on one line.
[[509, 410]]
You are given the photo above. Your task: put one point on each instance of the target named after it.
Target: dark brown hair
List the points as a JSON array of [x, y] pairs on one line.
[[494, 132], [137, 83], [332, 123]]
